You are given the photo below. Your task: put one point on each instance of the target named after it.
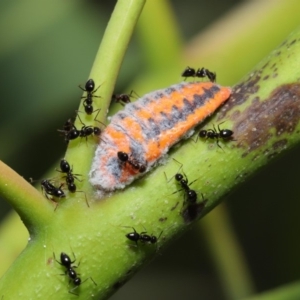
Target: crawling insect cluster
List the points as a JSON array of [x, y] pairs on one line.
[[134, 142]]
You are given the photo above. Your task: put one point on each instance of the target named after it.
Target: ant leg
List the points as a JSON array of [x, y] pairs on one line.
[[95, 119], [56, 206], [131, 228], [134, 94], [56, 259], [96, 91], [215, 130], [80, 120], [219, 125], [92, 280], [219, 145], [86, 200], [71, 290], [82, 88]]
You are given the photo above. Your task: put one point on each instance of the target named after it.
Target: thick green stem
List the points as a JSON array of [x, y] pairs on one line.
[[264, 114], [288, 292], [26, 200], [104, 72], [228, 256], [67, 221], [159, 56]]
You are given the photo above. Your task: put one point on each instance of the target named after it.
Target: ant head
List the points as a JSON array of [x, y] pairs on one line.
[[142, 168], [123, 156], [203, 133], [178, 177], [90, 85], [188, 72], [226, 133], [65, 259], [153, 239], [59, 193], [97, 131], [133, 236], [65, 166]]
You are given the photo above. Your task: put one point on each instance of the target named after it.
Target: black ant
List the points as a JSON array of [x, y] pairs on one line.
[[190, 195], [200, 73], [137, 165], [224, 134], [73, 133], [193, 210], [89, 130], [69, 125], [66, 262], [123, 98], [70, 177], [69, 130], [49, 189], [142, 237], [88, 101]]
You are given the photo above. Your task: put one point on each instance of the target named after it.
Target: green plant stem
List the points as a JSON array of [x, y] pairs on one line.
[[104, 72], [287, 292], [219, 47], [25, 199], [229, 259], [96, 234], [240, 47], [161, 62], [78, 217], [151, 32], [11, 227]]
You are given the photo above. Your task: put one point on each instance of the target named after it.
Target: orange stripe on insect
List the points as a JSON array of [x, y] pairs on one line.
[[145, 130]]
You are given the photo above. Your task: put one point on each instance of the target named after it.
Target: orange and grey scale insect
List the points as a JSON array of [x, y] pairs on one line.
[[146, 129]]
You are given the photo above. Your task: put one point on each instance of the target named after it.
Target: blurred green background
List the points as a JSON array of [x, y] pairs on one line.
[[47, 50]]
